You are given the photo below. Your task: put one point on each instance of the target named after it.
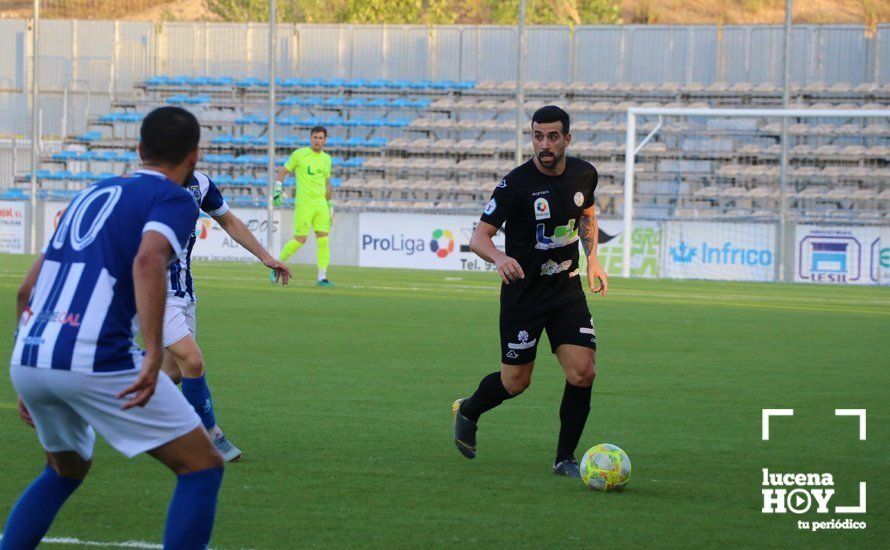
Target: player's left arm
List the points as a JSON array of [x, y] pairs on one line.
[[589, 230], [27, 287], [22, 298], [236, 229]]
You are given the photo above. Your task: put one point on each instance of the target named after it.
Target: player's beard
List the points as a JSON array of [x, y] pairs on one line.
[[549, 161]]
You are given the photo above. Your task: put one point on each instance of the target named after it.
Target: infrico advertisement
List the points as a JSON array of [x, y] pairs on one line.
[[727, 251], [840, 255], [420, 241]]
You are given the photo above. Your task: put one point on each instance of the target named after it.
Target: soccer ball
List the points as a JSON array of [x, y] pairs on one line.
[[605, 468]]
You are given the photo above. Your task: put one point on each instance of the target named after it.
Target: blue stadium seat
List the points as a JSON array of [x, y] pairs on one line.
[[197, 100], [400, 84], [336, 182], [251, 82], [90, 136], [376, 142], [335, 141], [395, 123], [14, 194], [88, 155], [65, 155], [156, 81], [252, 119], [105, 175], [222, 81], [354, 162], [224, 139], [466, 85], [378, 102], [243, 180], [288, 121], [85, 176], [221, 179], [242, 140], [355, 83], [355, 141], [334, 101], [313, 83], [60, 175], [129, 156]]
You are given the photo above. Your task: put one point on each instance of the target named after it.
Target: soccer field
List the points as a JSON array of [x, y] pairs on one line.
[[340, 399]]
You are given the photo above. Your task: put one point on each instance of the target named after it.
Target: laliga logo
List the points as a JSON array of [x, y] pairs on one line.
[[442, 243], [203, 229], [800, 492]]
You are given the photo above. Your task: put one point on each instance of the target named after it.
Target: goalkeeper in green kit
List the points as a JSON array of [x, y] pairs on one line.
[[313, 208]]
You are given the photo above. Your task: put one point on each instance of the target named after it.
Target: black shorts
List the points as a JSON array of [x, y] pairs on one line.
[[520, 331]]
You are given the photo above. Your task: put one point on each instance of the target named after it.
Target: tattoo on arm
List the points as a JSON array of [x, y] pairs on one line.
[[589, 230]]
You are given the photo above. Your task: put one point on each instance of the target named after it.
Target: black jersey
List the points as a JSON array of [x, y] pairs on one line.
[[542, 214]]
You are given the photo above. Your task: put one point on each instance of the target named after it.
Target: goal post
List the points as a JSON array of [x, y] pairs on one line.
[[775, 167]]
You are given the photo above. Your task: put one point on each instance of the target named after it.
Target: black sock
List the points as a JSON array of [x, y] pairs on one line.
[[572, 416], [490, 394]]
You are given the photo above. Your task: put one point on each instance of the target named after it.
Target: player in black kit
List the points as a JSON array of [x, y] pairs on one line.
[[547, 205]]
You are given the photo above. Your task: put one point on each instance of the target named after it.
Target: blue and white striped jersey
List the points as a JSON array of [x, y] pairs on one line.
[[82, 312], [180, 283]]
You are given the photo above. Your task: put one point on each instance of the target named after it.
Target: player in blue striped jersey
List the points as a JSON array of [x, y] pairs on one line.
[[184, 359], [75, 360]]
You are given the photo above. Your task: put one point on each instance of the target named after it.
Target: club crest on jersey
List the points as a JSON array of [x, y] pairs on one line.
[[579, 198], [552, 268], [490, 207], [542, 209], [196, 192], [563, 235]]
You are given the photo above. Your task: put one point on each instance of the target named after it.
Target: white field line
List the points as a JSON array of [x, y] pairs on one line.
[[715, 297], [124, 544], [721, 297]]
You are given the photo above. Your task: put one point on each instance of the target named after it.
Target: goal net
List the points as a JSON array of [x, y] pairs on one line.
[[705, 196]]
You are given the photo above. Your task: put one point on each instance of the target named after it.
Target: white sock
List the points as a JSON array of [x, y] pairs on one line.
[[322, 274], [215, 432]]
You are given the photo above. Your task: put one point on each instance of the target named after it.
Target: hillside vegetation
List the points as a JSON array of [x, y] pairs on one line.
[[443, 12]]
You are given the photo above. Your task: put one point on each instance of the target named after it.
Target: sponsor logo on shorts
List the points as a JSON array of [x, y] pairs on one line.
[[579, 198], [512, 354], [542, 209], [490, 207], [502, 184], [552, 268], [524, 342]]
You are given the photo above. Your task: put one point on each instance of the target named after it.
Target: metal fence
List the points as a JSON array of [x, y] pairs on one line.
[[85, 64]]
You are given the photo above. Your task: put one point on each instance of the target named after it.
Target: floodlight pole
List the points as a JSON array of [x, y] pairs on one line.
[[520, 83], [35, 126], [270, 162], [783, 167]]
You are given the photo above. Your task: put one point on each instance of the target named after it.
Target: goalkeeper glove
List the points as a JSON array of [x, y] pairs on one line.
[[276, 194]]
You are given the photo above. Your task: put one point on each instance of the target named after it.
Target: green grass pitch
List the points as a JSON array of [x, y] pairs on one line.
[[340, 399]]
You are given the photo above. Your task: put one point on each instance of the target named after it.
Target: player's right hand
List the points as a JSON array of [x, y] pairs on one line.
[[24, 414], [509, 269], [145, 384]]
